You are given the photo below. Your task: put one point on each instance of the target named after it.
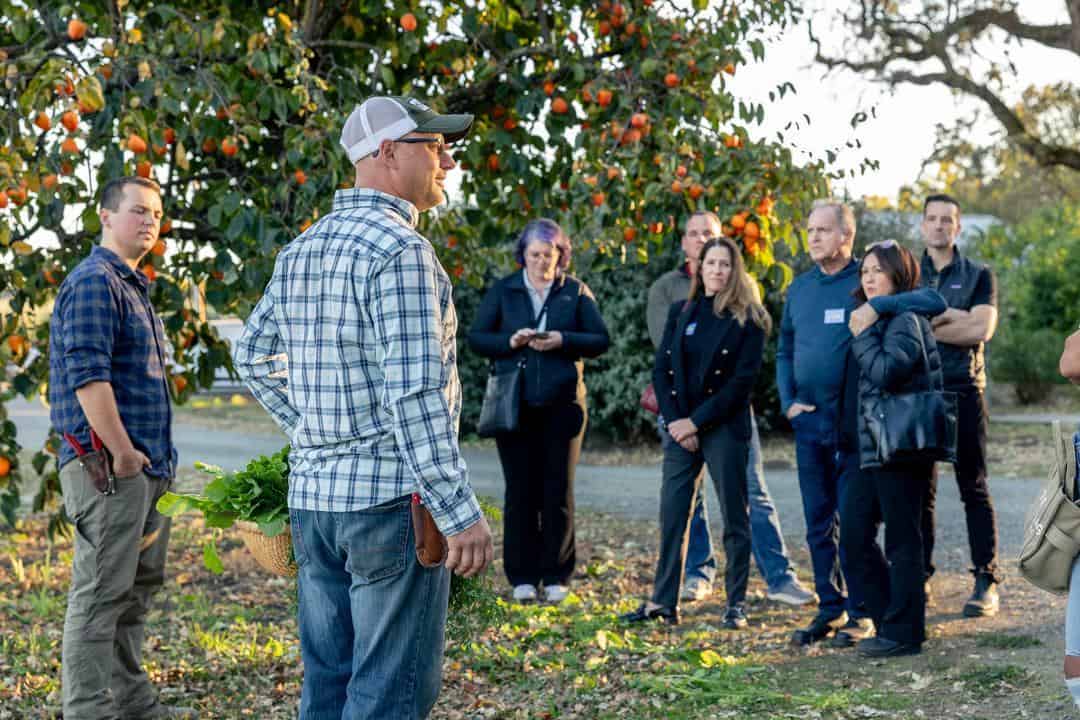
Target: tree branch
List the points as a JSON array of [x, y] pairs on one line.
[[915, 41], [1044, 153], [465, 98]]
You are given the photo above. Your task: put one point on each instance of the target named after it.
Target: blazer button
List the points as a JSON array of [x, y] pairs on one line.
[[673, 392], [724, 351], [716, 373], [670, 372], [709, 391]]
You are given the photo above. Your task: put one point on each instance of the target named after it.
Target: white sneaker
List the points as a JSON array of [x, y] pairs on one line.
[[695, 590], [525, 593], [556, 593], [792, 592]]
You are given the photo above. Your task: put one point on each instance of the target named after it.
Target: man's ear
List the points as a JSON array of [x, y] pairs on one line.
[[386, 152], [105, 214]]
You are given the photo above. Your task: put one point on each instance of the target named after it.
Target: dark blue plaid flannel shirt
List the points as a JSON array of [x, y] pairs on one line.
[[352, 351], [104, 328]]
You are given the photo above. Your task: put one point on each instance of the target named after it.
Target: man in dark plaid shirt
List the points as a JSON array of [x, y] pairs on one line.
[[107, 372], [352, 351]]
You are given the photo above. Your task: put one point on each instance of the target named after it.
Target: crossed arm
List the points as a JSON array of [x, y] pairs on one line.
[[966, 327]]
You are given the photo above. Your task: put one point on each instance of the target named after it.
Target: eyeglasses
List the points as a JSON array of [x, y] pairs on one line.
[[438, 144]]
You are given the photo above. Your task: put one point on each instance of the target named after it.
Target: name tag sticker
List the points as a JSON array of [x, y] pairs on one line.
[[691, 328], [957, 286], [834, 316]]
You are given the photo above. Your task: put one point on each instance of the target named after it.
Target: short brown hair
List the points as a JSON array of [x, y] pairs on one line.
[[113, 192], [897, 262], [941, 198]]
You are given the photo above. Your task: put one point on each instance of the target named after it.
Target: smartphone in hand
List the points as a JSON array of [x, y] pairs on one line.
[[541, 336]]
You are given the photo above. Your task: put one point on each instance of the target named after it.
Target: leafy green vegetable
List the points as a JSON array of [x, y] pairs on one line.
[[258, 493]]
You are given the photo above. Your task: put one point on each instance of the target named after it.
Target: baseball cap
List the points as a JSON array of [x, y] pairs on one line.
[[392, 118]]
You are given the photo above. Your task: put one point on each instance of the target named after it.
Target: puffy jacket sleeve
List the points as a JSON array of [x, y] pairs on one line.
[[487, 336], [589, 338], [735, 394], [890, 351], [663, 380]]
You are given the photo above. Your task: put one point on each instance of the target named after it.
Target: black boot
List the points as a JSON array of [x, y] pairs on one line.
[[984, 599], [819, 628]]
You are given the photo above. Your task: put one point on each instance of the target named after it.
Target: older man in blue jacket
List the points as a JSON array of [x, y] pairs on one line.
[[814, 339]]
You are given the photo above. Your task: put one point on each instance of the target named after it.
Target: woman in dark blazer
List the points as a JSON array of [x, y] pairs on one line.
[[704, 373], [547, 320], [897, 354]]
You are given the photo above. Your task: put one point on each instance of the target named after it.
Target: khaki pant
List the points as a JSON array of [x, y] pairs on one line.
[[120, 544]]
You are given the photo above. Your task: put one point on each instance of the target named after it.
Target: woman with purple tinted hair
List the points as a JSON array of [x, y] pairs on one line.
[[546, 321]]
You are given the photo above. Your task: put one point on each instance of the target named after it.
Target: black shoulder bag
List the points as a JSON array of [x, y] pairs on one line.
[[916, 425], [502, 396]]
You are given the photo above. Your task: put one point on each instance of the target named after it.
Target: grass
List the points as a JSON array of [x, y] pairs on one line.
[[996, 678], [227, 645], [1007, 642]]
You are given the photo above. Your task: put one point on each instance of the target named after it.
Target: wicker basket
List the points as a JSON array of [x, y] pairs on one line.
[[274, 554]]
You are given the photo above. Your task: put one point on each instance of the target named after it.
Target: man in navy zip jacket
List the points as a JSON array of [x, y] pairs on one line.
[[970, 290], [813, 343]]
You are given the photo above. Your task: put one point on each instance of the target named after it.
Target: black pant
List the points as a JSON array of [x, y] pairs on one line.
[[725, 451], [892, 581], [971, 478], [538, 464]]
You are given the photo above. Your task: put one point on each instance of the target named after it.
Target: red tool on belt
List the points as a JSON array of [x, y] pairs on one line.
[[97, 464]]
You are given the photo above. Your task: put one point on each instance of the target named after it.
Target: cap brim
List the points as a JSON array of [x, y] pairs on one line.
[[452, 127]]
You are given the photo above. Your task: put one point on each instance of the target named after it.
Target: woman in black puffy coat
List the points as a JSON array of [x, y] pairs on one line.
[[546, 320], [895, 355]]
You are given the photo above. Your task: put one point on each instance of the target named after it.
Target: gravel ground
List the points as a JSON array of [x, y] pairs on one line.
[[631, 491]]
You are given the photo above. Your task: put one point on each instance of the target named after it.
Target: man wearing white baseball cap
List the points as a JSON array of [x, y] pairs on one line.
[[352, 351]]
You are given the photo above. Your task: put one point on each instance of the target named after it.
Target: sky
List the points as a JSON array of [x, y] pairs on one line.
[[902, 134]]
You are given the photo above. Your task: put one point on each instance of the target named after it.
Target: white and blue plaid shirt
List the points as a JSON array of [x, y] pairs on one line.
[[352, 350]]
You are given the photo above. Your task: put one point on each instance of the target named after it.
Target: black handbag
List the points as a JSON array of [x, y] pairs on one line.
[[913, 426], [502, 396], [502, 402]]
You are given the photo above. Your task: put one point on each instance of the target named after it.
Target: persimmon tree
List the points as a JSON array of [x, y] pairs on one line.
[[614, 118]]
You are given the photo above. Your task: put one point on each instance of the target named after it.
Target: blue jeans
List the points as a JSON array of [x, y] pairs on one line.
[[766, 540], [371, 618], [824, 474]]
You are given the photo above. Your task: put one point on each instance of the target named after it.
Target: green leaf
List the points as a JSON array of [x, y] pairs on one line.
[[275, 527], [219, 519], [237, 226], [217, 490], [387, 77], [211, 559], [231, 202], [171, 504], [91, 221]]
